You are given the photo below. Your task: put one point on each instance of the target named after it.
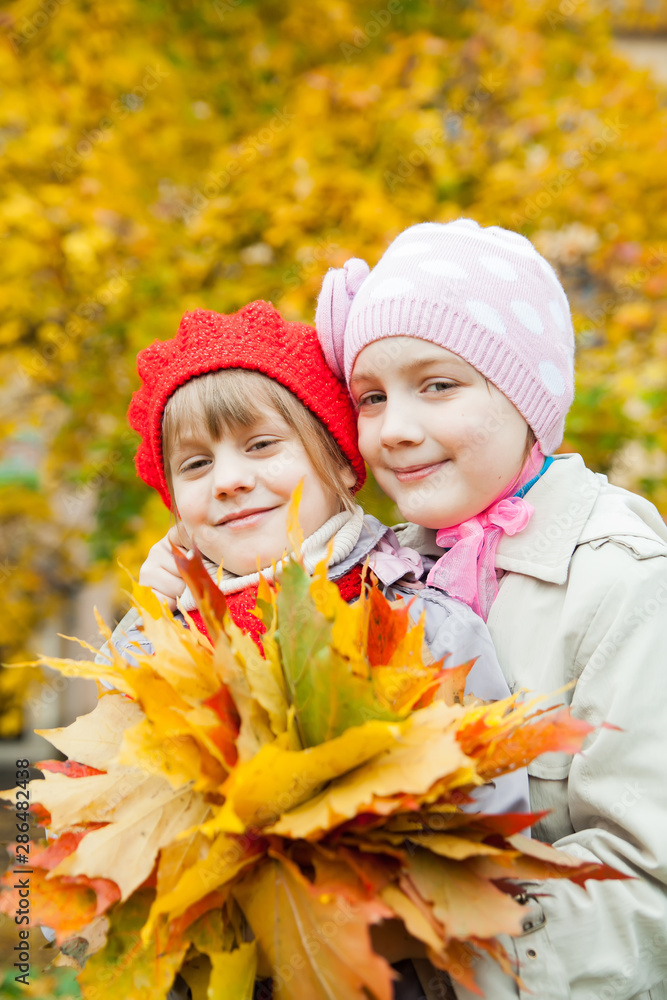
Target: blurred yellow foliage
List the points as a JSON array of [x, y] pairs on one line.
[[639, 15], [161, 155], [151, 525]]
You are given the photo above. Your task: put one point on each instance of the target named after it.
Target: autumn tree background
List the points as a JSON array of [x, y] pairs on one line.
[[162, 155]]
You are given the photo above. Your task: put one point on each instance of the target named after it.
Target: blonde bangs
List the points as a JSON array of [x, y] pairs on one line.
[[223, 401]]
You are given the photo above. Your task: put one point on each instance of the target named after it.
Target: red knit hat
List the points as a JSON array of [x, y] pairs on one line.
[[256, 338]]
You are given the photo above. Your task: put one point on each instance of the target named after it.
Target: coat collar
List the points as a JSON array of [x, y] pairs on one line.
[[566, 514], [563, 500]]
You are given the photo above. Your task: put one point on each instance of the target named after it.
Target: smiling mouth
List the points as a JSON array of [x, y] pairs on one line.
[[244, 517], [413, 472]]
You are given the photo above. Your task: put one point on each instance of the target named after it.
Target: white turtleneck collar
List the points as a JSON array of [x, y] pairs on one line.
[[344, 528]]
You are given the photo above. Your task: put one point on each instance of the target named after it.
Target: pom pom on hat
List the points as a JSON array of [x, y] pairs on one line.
[[339, 287], [256, 338]]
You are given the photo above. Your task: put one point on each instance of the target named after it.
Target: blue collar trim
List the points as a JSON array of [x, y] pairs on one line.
[[524, 489]]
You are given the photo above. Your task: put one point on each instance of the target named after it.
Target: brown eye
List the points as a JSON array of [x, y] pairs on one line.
[[192, 466], [372, 399], [260, 445], [439, 386]]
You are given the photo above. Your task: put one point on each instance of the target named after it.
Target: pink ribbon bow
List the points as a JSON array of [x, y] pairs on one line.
[[391, 562], [468, 570]]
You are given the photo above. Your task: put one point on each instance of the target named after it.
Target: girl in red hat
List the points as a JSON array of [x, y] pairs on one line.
[[233, 413]]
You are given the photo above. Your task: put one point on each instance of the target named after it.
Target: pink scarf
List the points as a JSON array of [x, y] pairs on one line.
[[468, 570]]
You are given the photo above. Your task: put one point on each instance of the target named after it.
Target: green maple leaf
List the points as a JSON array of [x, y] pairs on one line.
[[327, 696]]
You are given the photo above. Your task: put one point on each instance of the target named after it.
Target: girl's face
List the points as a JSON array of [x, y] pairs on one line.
[[440, 440], [233, 494]]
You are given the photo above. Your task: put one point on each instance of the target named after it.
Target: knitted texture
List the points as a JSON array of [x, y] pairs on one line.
[[241, 606], [256, 338], [485, 294]]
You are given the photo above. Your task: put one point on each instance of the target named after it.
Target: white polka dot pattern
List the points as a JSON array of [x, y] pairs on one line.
[[391, 288], [552, 378], [411, 250], [501, 268], [444, 269], [518, 244], [528, 316], [486, 315], [557, 315]]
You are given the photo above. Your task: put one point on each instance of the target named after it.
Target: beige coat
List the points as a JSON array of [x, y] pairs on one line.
[[584, 599]]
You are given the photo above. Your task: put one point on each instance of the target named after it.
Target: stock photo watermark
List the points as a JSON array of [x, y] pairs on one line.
[[102, 472], [129, 103], [309, 260], [378, 21], [256, 144], [565, 10], [626, 289], [225, 7], [428, 141], [29, 28], [575, 159], [117, 281]]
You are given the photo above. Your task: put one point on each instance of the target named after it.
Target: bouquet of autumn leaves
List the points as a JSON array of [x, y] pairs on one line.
[[228, 815]]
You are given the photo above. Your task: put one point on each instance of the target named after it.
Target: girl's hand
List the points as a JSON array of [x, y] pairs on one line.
[[159, 571]]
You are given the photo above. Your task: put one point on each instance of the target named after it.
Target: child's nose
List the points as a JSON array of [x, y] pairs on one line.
[[233, 476], [399, 427]]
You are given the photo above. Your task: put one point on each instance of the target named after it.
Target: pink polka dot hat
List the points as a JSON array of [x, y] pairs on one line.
[[485, 294]]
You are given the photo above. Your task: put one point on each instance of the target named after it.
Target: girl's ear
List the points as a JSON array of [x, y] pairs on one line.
[[349, 477]]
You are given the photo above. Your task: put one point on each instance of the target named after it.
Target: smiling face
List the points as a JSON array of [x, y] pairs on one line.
[[232, 491], [441, 441]]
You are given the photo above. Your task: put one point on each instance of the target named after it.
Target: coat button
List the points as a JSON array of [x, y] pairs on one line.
[[527, 925], [531, 953]]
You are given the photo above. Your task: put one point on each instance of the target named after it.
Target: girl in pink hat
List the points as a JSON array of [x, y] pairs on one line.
[[458, 349]]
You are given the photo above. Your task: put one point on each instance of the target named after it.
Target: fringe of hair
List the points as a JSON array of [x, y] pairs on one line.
[[225, 400]]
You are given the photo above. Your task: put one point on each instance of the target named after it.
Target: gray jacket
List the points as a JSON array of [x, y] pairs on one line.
[[451, 629]]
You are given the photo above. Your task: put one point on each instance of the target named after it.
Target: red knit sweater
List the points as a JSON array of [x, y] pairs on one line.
[[242, 603]]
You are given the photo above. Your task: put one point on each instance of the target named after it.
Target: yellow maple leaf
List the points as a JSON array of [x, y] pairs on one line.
[[427, 752], [278, 778], [230, 777]]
